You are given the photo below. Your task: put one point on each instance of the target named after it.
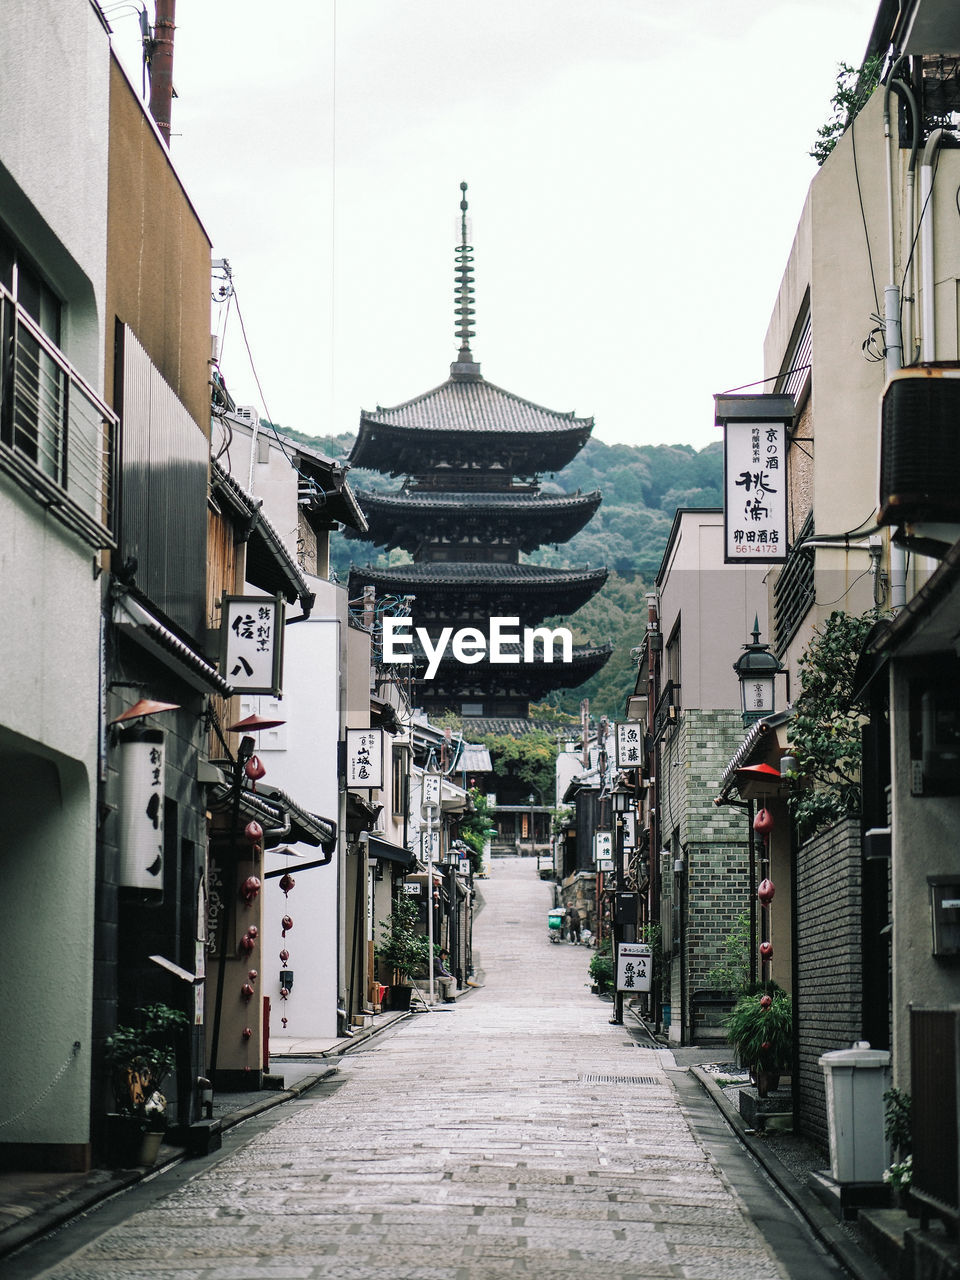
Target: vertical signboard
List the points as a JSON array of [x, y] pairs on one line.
[[603, 850], [251, 630], [754, 492], [364, 766], [141, 764], [630, 744]]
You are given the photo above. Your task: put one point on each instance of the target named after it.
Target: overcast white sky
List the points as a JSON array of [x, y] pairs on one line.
[[636, 171]]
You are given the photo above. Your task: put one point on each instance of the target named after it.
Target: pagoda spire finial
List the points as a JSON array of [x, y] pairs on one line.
[[464, 367]]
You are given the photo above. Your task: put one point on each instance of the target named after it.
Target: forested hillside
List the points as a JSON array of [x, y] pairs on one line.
[[642, 486]]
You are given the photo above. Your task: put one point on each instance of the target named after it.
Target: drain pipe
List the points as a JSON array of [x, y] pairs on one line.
[[893, 326], [928, 325]]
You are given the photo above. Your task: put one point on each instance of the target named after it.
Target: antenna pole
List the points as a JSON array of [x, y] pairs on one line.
[[161, 67]]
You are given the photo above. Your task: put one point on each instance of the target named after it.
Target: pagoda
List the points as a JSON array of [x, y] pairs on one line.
[[471, 456]]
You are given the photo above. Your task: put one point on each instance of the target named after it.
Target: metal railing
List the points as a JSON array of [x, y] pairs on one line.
[[58, 440]]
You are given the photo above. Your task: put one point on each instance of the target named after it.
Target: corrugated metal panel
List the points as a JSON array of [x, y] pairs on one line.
[[164, 491]]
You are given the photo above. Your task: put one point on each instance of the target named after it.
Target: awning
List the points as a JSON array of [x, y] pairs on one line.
[[387, 851], [282, 819], [134, 620]]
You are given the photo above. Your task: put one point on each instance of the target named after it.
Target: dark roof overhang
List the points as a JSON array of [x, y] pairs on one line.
[[282, 819], [133, 619], [761, 740]]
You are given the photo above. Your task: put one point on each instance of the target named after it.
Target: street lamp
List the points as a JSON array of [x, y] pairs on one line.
[[621, 798], [756, 670]]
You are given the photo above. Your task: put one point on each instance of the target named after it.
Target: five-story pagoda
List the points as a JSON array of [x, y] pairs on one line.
[[471, 455]]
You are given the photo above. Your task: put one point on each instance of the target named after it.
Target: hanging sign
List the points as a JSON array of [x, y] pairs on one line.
[[603, 850], [430, 795], [364, 768], [430, 846], [141, 761], [634, 967], [754, 492], [630, 743], [251, 643]]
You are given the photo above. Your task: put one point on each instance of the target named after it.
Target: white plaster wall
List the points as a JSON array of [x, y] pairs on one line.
[[306, 768], [53, 157]]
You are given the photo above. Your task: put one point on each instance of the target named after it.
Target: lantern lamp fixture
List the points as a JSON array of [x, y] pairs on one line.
[[756, 670]]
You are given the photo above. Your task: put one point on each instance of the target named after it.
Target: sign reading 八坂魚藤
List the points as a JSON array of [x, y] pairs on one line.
[[754, 492], [365, 758], [634, 967], [251, 629]]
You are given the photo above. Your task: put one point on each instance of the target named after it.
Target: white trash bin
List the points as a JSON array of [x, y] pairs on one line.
[[856, 1080]]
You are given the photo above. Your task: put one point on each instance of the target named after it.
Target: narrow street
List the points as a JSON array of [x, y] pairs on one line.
[[516, 1133]]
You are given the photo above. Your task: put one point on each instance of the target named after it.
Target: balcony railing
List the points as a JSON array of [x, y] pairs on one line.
[[58, 440]]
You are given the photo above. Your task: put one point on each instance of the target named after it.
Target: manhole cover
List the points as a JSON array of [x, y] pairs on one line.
[[592, 1079]]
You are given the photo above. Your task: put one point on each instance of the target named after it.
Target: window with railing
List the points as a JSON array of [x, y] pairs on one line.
[[794, 590], [58, 439]]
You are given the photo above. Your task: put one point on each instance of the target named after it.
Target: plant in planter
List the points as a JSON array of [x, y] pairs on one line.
[[601, 969], [140, 1058], [402, 950], [760, 1029], [896, 1130]]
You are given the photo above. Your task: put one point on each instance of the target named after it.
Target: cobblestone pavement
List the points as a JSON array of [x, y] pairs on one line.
[[517, 1133]]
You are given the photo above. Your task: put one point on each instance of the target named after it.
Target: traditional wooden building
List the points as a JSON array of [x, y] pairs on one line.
[[471, 456]]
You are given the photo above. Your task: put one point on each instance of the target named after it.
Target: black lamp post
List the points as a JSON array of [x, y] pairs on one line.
[[756, 670], [621, 799]]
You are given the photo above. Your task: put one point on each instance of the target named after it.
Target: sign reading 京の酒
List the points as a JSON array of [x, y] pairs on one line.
[[251, 629], [365, 758], [754, 492], [634, 967]]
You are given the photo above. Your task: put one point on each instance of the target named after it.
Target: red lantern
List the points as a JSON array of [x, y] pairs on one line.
[[765, 891], [253, 931], [254, 768], [285, 924], [284, 956], [766, 1002], [284, 992], [249, 890], [252, 975], [766, 950], [247, 1032], [246, 943], [246, 991], [763, 822], [253, 831], [287, 882]]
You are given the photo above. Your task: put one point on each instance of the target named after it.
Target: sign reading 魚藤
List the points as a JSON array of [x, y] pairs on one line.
[[629, 744], [754, 492], [251, 629], [365, 758], [634, 967]]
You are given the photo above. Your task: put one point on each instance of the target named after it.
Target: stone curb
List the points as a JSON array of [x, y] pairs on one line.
[[76, 1202], [816, 1214]]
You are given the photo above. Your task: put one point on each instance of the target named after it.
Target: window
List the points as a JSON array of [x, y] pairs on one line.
[[57, 438], [398, 791]]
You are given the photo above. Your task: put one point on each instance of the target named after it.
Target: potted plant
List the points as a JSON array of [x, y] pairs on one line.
[[897, 1131], [402, 950], [760, 1029], [140, 1058]]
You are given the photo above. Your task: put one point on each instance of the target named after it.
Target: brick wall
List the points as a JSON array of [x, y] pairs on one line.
[[828, 973]]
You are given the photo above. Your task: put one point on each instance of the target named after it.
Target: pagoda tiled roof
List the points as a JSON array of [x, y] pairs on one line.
[[474, 404], [462, 417], [469, 573], [472, 500]]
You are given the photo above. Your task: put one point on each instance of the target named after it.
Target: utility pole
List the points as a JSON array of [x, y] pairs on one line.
[[161, 67]]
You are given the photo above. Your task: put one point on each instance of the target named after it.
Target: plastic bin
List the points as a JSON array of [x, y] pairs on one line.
[[856, 1080]]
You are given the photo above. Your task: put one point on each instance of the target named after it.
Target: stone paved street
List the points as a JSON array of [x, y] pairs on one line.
[[517, 1133]]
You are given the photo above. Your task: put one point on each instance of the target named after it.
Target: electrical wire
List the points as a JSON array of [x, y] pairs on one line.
[[863, 213], [825, 604]]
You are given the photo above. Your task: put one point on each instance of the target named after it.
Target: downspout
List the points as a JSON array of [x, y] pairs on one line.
[[893, 328], [928, 329]]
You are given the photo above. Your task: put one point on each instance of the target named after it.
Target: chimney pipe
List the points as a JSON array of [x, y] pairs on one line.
[[161, 67]]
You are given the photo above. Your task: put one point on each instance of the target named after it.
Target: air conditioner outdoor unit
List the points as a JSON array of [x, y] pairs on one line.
[[920, 452], [249, 413]]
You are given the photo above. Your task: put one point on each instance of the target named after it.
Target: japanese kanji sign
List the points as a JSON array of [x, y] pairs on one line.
[[252, 643], [754, 492], [365, 758], [634, 967], [141, 809], [603, 850], [630, 742], [430, 795]]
